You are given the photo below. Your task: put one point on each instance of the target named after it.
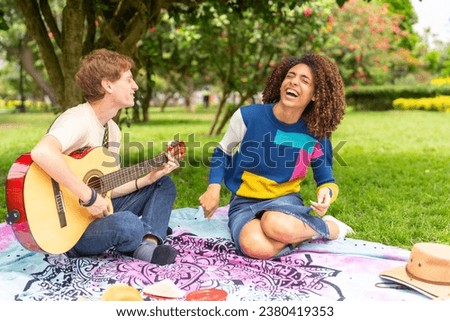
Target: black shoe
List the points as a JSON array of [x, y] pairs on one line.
[[163, 255], [157, 254]]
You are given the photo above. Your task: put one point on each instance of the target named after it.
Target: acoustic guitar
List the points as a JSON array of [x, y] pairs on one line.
[[45, 216]]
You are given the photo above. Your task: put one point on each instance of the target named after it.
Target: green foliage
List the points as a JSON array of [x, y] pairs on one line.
[[381, 97], [364, 37], [406, 10], [3, 24], [229, 45], [432, 59], [445, 63], [15, 47], [232, 47], [170, 53]]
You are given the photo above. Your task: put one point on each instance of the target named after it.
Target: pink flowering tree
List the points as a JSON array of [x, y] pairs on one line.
[[365, 38]]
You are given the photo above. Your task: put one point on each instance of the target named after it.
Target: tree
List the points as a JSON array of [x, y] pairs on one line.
[[171, 50], [64, 36], [232, 49], [20, 53], [254, 44], [3, 24], [445, 71], [65, 30], [405, 10], [364, 36]]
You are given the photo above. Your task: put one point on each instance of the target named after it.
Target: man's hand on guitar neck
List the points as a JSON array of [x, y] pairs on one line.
[[147, 179], [165, 169]]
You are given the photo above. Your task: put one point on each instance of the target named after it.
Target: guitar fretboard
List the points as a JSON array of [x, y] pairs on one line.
[[112, 180]]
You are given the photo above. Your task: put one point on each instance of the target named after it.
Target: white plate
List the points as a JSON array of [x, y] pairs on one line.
[[164, 289]]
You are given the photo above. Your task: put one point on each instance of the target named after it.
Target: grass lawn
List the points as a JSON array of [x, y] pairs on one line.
[[392, 167]]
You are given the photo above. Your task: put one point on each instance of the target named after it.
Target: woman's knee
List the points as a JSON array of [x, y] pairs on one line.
[[285, 228], [256, 245], [254, 251], [279, 226]]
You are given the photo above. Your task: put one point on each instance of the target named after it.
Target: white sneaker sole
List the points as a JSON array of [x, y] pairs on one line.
[[344, 229]]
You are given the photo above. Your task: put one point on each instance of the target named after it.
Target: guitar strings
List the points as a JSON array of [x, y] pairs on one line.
[[107, 182]]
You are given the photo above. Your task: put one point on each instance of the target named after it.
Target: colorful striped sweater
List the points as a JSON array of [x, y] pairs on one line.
[[261, 157]]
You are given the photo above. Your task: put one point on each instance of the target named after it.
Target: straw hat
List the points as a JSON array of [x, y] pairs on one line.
[[428, 271]]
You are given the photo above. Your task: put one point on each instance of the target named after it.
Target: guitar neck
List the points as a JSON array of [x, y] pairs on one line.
[[112, 180]]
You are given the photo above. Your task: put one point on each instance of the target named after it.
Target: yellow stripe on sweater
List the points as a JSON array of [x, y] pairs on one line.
[[255, 186]]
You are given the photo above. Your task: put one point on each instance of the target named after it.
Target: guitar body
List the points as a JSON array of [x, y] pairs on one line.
[[41, 223]]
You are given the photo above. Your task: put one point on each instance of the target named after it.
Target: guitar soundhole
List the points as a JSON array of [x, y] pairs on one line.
[[94, 181]]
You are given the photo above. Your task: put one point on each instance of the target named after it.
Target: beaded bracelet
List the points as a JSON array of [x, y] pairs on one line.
[[91, 200]]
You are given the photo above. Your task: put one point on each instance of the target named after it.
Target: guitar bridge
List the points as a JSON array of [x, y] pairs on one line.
[[59, 202]]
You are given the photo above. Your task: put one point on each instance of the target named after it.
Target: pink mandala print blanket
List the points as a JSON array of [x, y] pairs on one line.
[[318, 270]]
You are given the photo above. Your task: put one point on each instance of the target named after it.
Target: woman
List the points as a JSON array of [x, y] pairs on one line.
[[264, 155]]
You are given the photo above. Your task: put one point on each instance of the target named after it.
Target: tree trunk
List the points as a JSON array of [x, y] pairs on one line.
[[72, 38], [21, 107], [28, 64], [36, 28], [230, 112], [119, 24], [222, 103], [166, 101], [146, 102]]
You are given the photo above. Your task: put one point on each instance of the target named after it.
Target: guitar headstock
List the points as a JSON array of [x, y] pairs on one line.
[[177, 149]]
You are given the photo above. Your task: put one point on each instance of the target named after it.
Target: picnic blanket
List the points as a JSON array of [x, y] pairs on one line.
[[318, 270]]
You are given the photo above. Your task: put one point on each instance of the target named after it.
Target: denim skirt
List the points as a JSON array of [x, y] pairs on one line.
[[242, 210]]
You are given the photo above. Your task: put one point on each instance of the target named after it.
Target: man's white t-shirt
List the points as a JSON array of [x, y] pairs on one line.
[[79, 127]]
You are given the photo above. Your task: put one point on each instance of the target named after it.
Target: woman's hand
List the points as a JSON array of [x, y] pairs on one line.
[[323, 201], [210, 200]]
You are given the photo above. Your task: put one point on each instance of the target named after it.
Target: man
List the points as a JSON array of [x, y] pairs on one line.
[[142, 207]]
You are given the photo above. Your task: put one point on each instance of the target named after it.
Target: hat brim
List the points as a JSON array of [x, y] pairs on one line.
[[433, 291]]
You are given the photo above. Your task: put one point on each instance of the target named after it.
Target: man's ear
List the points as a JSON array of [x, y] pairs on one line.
[[106, 84]]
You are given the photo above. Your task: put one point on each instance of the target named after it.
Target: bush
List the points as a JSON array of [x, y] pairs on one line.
[[439, 103], [30, 105], [382, 97], [441, 81]]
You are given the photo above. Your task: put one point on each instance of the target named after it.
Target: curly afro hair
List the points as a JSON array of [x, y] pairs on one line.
[[323, 115]]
